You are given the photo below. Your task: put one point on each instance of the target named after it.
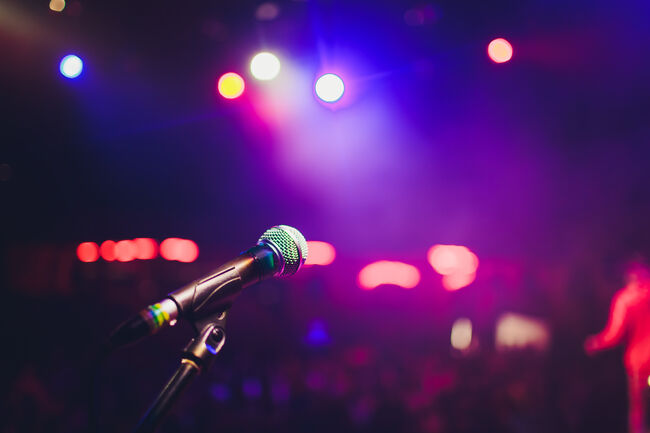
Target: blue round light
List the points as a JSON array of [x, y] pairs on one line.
[[329, 87], [71, 66]]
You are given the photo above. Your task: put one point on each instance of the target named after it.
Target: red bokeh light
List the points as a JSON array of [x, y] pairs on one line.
[[88, 252], [125, 251], [107, 250], [182, 250], [320, 253], [146, 248], [500, 50], [387, 272]]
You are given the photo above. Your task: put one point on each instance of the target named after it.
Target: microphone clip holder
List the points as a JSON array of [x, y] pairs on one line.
[[197, 356]]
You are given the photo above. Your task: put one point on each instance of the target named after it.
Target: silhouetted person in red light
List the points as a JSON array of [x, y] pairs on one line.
[[629, 318]]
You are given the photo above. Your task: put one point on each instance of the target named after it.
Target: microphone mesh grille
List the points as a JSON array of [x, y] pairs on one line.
[[291, 244]]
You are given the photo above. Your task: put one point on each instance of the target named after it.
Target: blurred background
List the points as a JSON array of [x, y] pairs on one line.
[[472, 175]]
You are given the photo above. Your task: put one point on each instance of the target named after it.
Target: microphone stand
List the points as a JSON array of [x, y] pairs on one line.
[[197, 356]]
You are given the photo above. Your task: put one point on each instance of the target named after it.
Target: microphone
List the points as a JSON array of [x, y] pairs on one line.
[[279, 252]]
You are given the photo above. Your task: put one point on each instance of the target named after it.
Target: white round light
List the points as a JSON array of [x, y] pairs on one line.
[[329, 88], [71, 66], [265, 66]]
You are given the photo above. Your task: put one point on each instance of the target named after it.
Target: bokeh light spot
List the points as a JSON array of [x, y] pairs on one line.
[[252, 388], [515, 331], [125, 251], [182, 250], [457, 281], [461, 334], [317, 334], [500, 50], [107, 250], [88, 252], [265, 66], [456, 263], [220, 392], [146, 248], [71, 66], [387, 272], [230, 85], [320, 253], [329, 87], [452, 259], [57, 5]]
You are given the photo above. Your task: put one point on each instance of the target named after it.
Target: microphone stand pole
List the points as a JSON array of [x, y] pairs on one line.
[[197, 356]]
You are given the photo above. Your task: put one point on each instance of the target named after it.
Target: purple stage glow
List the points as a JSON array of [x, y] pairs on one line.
[[317, 334], [252, 388]]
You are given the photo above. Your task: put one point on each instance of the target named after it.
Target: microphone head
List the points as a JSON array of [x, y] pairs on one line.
[[290, 245]]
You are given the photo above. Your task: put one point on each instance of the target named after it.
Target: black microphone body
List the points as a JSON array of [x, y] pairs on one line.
[[280, 252], [216, 291]]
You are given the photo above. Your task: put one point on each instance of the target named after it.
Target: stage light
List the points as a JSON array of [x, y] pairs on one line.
[[329, 87], [57, 5], [125, 251], [182, 250], [320, 253], [265, 66], [230, 85], [107, 250], [146, 248], [461, 334], [88, 252], [387, 272], [71, 66], [500, 50]]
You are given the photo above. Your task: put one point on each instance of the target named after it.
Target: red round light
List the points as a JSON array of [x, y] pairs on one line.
[[107, 250], [88, 252], [146, 248], [125, 251]]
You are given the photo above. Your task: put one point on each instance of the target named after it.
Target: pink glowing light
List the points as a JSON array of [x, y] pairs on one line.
[[182, 250], [452, 259], [107, 250], [500, 50], [387, 272], [88, 252], [320, 253], [453, 282], [146, 248], [457, 265], [125, 251]]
